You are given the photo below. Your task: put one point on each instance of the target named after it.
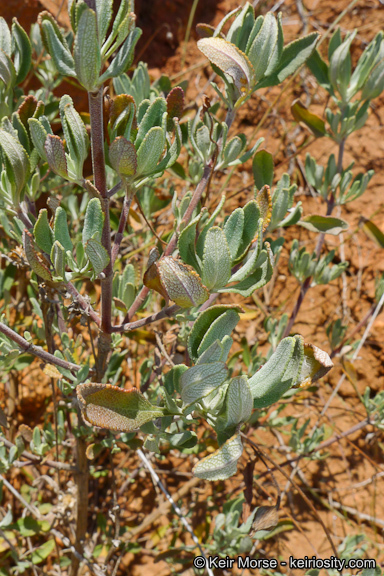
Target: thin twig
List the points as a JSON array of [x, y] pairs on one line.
[[159, 483], [37, 460], [36, 350], [303, 495], [164, 313]]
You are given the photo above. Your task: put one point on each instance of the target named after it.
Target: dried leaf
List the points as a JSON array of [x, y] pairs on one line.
[[52, 371], [264, 202], [266, 517]]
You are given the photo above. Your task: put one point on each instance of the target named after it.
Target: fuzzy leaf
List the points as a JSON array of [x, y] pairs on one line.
[[60, 229], [56, 45], [175, 105], [97, 255], [104, 15], [58, 258], [22, 49], [55, 154], [181, 283], [7, 70], [216, 266], [150, 151], [233, 231], [152, 117], [122, 155], [212, 324], [238, 403], [263, 46], [38, 136], [75, 134], [262, 167], [200, 380], [222, 464], [270, 382], [124, 58], [35, 260], [325, 224], [257, 279], [187, 243], [43, 233], [115, 408], [5, 37], [87, 52], [293, 56], [230, 60], [17, 158], [219, 329], [93, 222]]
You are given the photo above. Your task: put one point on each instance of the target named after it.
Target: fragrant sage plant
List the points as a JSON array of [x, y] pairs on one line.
[[65, 231]]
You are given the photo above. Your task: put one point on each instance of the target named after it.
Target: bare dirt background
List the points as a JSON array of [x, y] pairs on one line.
[[347, 487]]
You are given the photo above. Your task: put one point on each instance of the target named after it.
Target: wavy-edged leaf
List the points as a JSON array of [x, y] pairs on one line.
[[216, 266], [206, 330], [86, 51], [93, 222], [122, 155], [316, 364], [115, 408], [200, 380], [324, 224], [230, 60], [97, 255], [182, 284], [222, 464], [43, 233]]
